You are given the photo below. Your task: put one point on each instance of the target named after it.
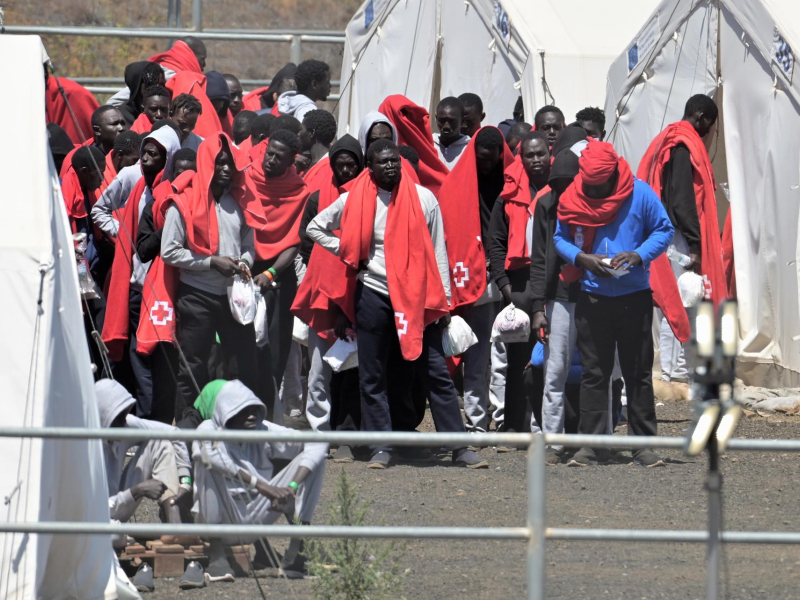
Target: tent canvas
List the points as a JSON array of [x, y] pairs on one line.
[[46, 375], [742, 53], [549, 51]]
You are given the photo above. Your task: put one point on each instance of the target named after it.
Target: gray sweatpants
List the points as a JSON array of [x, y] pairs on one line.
[[558, 354], [217, 506], [673, 363], [497, 385], [318, 404], [477, 365]]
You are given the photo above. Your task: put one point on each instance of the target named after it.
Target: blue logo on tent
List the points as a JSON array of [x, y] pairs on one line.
[[633, 57], [369, 14]]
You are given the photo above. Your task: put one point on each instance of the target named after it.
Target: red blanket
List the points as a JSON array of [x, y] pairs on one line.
[[252, 100], [662, 278], [461, 216], [277, 201], [83, 104], [187, 82], [519, 207], [319, 175], [142, 124], [418, 300], [413, 127], [178, 58]]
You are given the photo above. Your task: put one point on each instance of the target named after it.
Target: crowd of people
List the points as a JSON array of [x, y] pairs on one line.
[[182, 183]]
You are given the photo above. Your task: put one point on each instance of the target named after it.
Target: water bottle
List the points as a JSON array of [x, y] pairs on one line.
[[679, 257], [579, 237]]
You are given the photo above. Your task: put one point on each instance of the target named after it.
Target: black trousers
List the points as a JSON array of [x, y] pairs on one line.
[[520, 395], [272, 357], [377, 341], [200, 316], [623, 324]]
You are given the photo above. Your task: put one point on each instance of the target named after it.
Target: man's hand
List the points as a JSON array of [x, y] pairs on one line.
[[224, 265], [592, 263], [444, 321], [182, 494], [540, 326], [341, 326], [695, 264], [152, 488], [626, 260], [244, 270], [506, 291], [262, 281], [279, 496]]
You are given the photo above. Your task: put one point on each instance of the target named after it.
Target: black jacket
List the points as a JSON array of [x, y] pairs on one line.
[[677, 193], [148, 240], [311, 211], [518, 279]]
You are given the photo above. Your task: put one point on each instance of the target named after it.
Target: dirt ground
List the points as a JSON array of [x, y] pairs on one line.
[[761, 492]]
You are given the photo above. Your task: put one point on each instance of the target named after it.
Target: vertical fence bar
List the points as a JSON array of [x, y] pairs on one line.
[[296, 50], [537, 505], [197, 15]]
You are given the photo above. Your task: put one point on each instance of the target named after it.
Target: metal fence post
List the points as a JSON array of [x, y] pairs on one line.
[[197, 15], [537, 505], [296, 50]]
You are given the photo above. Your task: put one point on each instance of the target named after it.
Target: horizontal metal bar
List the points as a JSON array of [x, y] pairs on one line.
[[670, 535], [765, 445], [250, 530], [323, 39], [340, 35], [613, 441], [146, 32]]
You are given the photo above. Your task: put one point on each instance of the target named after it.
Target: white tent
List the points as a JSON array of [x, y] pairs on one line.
[[46, 375], [550, 51], [742, 53]]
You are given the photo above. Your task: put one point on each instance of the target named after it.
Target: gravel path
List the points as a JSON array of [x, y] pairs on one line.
[[761, 492]]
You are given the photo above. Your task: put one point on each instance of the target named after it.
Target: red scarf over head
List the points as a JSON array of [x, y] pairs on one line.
[[142, 124], [415, 286], [413, 127], [461, 216], [252, 100], [518, 206], [187, 82], [662, 278], [597, 164], [83, 104], [279, 203], [178, 58]]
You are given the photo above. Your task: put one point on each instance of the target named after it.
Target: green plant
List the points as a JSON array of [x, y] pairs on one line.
[[367, 569]]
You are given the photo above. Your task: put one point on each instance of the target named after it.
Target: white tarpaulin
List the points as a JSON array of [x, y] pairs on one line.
[[46, 375], [550, 51], [742, 52]]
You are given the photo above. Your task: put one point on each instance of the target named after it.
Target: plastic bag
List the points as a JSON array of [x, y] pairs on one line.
[[691, 288], [343, 355], [260, 322], [89, 289], [242, 300], [457, 337], [511, 326], [300, 332]]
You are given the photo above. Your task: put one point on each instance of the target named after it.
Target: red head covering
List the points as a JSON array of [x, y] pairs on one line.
[[460, 204], [276, 201], [83, 104], [662, 278], [415, 285], [208, 123], [413, 127], [178, 58], [598, 163]]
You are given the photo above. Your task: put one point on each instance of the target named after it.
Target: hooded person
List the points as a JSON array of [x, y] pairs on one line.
[[392, 242], [276, 196], [205, 242], [196, 84], [608, 220], [413, 128], [128, 274], [138, 77], [265, 97], [553, 320], [219, 94], [239, 483], [61, 94], [375, 126], [322, 295], [60, 144]]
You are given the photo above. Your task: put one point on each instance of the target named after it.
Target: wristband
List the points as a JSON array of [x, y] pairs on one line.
[[274, 273], [269, 276], [186, 479], [251, 485], [294, 485]]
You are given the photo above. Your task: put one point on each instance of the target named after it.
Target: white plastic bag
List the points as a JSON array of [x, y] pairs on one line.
[[260, 322], [242, 300], [300, 332], [457, 337], [343, 355], [691, 288], [511, 326]]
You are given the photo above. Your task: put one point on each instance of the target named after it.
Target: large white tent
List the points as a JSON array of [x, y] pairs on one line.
[[46, 375], [550, 51], [741, 52]]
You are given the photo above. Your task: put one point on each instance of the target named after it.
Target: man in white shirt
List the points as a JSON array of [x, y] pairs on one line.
[[450, 142]]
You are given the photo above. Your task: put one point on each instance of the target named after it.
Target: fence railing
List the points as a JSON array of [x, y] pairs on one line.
[[535, 532]]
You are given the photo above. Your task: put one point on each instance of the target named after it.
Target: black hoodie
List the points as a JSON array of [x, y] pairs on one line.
[[133, 80], [347, 143]]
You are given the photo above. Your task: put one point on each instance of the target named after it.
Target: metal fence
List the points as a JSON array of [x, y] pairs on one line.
[[535, 532]]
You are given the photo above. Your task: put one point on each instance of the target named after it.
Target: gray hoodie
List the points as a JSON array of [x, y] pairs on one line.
[[295, 105], [113, 399], [226, 458], [373, 118]]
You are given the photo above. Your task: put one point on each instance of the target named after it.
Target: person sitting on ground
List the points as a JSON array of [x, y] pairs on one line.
[[236, 91], [593, 120], [550, 121], [313, 79], [473, 113], [450, 142], [317, 132], [515, 135], [183, 111], [155, 106], [241, 126], [237, 483]]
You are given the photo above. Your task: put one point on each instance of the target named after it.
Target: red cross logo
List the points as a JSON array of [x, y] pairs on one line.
[[707, 285], [463, 271], [161, 313], [401, 321]]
